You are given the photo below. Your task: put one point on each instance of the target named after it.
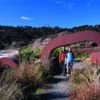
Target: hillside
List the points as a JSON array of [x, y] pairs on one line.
[[16, 37]]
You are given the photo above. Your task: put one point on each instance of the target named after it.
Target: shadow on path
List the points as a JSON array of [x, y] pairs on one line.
[[59, 89], [53, 96], [57, 79]]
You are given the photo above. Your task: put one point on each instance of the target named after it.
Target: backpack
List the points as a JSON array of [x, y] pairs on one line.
[[70, 56], [62, 56]]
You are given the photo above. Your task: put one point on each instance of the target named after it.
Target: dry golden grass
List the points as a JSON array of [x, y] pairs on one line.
[[28, 74], [9, 90], [86, 75], [87, 92], [85, 83], [25, 79]]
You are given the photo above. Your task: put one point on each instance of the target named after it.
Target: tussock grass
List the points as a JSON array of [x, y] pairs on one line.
[[27, 77], [85, 83], [86, 75], [9, 90], [87, 92]]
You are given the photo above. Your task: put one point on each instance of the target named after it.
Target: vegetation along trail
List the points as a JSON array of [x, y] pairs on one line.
[[59, 87]]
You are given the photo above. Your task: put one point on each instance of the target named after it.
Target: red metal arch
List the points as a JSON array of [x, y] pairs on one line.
[[95, 57], [70, 39], [9, 62]]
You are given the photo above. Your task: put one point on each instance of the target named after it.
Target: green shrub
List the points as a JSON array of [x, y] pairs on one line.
[[28, 54], [56, 52], [80, 55], [37, 53]]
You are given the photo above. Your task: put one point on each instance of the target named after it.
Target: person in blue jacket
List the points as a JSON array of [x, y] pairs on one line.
[[69, 59]]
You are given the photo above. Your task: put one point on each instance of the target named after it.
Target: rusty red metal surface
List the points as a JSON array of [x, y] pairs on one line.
[[95, 57], [70, 39], [8, 61]]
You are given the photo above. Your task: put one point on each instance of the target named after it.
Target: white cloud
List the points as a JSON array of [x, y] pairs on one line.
[[25, 18], [69, 5]]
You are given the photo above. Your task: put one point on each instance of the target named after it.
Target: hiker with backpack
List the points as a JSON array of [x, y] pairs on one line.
[[69, 59], [61, 60]]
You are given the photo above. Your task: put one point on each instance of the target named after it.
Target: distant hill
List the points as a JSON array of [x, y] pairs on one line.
[[15, 37]]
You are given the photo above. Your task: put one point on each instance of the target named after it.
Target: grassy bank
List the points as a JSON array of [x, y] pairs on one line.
[[85, 83]]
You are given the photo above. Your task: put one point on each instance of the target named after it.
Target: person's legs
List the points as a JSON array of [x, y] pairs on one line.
[[61, 64], [67, 66], [70, 67], [65, 70], [63, 67]]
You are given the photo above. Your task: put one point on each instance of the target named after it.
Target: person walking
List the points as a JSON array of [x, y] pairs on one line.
[[61, 60], [69, 59]]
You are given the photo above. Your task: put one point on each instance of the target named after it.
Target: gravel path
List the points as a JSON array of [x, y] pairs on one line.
[[59, 89]]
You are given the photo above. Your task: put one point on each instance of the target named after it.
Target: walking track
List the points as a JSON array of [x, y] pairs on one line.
[[59, 89]]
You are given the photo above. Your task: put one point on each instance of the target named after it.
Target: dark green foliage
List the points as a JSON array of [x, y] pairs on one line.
[[2, 46], [37, 53], [56, 53], [4, 68], [81, 55], [26, 53], [27, 34]]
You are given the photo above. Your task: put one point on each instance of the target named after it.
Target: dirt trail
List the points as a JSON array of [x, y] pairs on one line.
[[59, 87]]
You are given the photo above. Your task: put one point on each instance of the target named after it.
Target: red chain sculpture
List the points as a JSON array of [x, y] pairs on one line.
[[8, 61], [67, 39]]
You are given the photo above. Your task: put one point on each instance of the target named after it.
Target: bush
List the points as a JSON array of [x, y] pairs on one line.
[[9, 90], [54, 67], [87, 92], [28, 54], [37, 53], [56, 53], [29, 74], [85, 83], [81, 55], [30, 77], [85, 75], [4, 68]]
